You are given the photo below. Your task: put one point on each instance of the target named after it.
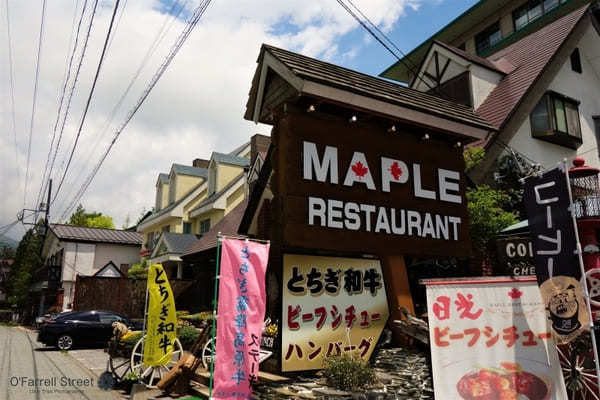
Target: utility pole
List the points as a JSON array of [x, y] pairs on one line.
[[47, 210]]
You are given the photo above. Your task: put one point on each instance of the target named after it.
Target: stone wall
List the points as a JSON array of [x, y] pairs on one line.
[[122, 295]]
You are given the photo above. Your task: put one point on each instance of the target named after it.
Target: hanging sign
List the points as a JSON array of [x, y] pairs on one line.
[[490, 340], [331, 305], [515, 256], [357, 187], [557, 264], [162, 318], [241, 312]]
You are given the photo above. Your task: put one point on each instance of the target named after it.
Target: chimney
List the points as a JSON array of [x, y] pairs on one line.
[[258, 144], [200, 163]]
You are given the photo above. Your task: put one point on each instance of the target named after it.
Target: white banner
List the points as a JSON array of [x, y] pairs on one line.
[[491, 340]]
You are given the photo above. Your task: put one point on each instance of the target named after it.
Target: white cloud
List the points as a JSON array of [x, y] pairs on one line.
[[196, 108]]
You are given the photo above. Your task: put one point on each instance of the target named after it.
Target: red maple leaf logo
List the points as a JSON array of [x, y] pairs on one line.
[[395, 170], [515, 293], [359, 169]]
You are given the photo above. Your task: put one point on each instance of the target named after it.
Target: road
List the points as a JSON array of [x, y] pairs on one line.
[[30, 371]]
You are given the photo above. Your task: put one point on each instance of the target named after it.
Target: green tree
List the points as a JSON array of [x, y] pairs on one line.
[[138, 271], [27, 260], [93, 220], [490, 209]]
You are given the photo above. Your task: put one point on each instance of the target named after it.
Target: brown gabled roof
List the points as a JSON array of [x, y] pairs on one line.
[[531, 56], [226, 226], [97, 235], [310, 69]]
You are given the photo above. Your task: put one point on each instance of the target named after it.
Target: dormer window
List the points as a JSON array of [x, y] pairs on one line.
[[556, 119]]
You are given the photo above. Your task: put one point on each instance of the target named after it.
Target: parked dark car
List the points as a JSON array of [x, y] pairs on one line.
[[82, 328]]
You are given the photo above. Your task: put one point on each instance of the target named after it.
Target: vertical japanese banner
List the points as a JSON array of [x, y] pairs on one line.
[[557, 264], [162, 319], [331, 305], [491, 340], [241, 312]]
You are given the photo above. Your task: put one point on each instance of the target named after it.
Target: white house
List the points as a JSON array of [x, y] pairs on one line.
[[531, 69], [72, 250]]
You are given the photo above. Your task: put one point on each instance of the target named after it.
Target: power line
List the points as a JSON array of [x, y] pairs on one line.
[[87, 105], [75, 79], [172, 53], [67, 74], [368, 29], [12, 93], [35, 89], [172, 15]]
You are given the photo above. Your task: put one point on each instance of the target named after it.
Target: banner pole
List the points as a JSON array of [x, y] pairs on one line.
[[586, 293], [145, 316], [213, 333]]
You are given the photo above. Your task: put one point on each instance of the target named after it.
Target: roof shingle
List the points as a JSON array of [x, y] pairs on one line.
[[226, 226], [80, 233], [531, 55], [189, 170], [370, 86]]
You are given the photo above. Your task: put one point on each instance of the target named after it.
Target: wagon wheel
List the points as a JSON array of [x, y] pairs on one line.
[[118, 364], [578, 368], [151, 375], [208, 352]]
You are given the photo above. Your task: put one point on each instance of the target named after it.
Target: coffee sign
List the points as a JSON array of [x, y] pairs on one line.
[[358, 188], [515, 256]]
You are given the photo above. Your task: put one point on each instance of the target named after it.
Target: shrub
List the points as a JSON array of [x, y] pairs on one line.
[[138, 271], [345, 373], [187, 336]]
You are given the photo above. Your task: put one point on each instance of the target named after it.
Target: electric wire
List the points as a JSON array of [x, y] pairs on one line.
[[193, 21], [172, 16], [89, 99], [73, 83], [374, 35], [12, 93], [66, 76], [35, 90]]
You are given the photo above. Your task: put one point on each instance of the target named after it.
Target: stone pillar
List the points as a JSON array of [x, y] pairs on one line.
[[179, 270]]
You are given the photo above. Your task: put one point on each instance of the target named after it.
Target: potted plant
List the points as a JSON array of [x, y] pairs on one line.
[[129, 380]]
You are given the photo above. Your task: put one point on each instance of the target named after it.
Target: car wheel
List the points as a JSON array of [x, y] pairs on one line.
[[64, 342]]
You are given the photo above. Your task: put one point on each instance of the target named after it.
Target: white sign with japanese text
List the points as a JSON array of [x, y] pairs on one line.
[[331, 305], [491, 340]]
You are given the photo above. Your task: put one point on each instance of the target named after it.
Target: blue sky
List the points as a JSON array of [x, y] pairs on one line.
[[407, 33]]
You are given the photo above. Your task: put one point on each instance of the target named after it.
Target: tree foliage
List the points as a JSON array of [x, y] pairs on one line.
[[27, 260], [92, 219], [138, 271], [487, 214], [491, 209]]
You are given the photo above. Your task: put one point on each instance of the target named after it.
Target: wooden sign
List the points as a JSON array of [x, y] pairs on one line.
[[359, 188], [515, 256]]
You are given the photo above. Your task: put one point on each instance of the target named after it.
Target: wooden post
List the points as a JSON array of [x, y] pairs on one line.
[[397, 287]]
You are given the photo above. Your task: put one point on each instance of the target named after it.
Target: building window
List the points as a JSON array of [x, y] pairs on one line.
[[532, 10], [488, 38], [187, 227], [204, 226], [576, 61], [556, 119]]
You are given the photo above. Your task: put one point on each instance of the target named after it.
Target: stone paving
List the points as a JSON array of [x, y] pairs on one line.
[[402, 374]]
